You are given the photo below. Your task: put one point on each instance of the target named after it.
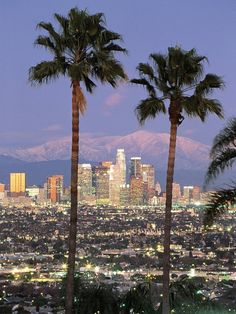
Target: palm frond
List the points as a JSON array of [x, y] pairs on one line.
[[46, 71], [89, 84], [63, 22], [149, 87], [145, 70], [159, 61], [114, 48], [184, 67], [220, 163], [50, 29], [225, 138], [149, 108], [197, 106], [107, 69], [210, 82], [218, 204]]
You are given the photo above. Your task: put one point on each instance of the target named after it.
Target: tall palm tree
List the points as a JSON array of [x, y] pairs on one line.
[[83, 49], [223, 156], [174, 85]]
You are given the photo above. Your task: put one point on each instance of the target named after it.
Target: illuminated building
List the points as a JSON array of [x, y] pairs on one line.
[[106, 164], [2, 187], [148, 175], [136, 190], [158, 188], [17, 183], [176, 191], [117, 177], [55, 188], [114, 185], [102, 175], [187, 193], [120, 162], [196, 193], [135, 167], [125, 195], [84, 181], [33, 191]]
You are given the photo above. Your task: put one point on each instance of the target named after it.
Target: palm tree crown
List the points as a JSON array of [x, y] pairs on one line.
[[176, 77], [83, 49], [223, 156]]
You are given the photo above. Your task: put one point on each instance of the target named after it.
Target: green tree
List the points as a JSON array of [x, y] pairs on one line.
[[174, 85], [223, 156], [137, 300], [98, 299], [83, 50]]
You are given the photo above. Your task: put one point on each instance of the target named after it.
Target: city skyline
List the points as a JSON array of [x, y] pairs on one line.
[[117, 182]]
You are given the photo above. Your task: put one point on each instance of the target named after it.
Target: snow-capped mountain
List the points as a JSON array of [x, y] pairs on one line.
[[152, 147]]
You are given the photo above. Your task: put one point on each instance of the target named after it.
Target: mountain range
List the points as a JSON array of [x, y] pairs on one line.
[[53, 157], [152, 147]]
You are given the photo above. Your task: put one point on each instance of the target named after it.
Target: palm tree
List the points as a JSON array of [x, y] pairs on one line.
[[174, 82], [223, 156], [83, 50]]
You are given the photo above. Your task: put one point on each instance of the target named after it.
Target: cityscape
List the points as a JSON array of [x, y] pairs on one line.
[[105, 184], [117, 157]]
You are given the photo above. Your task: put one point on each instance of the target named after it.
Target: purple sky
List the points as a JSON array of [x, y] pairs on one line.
[[32, 115]]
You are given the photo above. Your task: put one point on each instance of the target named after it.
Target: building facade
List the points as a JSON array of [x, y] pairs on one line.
[[17, 183], [84, 182], [55, 188], [102, 176]]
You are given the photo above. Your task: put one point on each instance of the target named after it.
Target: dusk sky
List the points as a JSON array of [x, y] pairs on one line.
[[32, 115]]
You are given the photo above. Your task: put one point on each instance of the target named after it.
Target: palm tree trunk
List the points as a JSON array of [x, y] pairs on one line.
[[167, 227], [74, 203]]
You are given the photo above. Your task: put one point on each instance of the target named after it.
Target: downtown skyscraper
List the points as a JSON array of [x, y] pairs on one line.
[[84, 181], [117, 177], [17, 183], [55, 188]]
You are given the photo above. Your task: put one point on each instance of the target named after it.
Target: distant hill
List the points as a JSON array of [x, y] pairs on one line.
[[152, 147]]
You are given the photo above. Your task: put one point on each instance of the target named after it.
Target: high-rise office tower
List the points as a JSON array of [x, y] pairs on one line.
[[55, 188], [125, 195], [102, 175], [148, 175], [188, 190], [135, 167], [84, 181], [117, 177], [196, 193], [158, 188], [114, 185], [120, 162], [136, 190], [17, 183], [176, 191]]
